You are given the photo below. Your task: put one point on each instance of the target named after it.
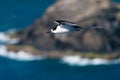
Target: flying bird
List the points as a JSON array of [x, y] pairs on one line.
[[66, 27]]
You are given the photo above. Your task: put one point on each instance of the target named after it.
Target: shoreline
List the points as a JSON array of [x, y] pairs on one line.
[[70, 58], [58, 54]]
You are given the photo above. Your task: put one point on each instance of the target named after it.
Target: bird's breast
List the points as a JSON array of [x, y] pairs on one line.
[[61, 30]]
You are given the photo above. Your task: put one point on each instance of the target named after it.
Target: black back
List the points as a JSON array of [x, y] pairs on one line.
[[63, 22]]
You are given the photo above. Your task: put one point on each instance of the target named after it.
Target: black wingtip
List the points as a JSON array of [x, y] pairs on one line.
[[63, 21], [60, 21]]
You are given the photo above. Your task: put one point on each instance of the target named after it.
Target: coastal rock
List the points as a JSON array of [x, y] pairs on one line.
[[86, 13]]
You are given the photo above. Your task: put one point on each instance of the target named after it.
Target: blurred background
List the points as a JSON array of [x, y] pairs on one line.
[[28, 53]]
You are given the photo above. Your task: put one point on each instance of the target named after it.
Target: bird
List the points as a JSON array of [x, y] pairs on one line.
[[64, 26]]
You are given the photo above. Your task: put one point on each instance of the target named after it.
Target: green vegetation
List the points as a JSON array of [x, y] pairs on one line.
[[29, 48], [55, 54], [13, 35], [92, 55], [16, 34]]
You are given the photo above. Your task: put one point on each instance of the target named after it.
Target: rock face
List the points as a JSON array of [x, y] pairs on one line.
[[86, 13]]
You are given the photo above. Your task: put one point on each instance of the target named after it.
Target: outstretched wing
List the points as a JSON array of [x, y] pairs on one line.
[[63, 22], [77, 27]]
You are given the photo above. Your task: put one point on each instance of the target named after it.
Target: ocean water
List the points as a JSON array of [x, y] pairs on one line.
[[55, 70], [21, 13], [116, 1], [18, 14]]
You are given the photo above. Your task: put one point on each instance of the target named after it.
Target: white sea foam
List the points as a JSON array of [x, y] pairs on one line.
[[21, 55], [76, 60], [5, 38]]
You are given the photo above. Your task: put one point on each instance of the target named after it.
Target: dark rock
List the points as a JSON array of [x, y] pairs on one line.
[[86, 13]]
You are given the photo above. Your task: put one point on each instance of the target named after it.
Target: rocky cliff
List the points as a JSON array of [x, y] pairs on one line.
[[86, 13]]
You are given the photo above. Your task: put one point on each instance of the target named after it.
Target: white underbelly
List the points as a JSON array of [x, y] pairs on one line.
[[61, 30]]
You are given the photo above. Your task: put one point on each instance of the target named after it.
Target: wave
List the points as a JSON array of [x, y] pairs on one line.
[[5, 38], [20, 55], [79, 61]]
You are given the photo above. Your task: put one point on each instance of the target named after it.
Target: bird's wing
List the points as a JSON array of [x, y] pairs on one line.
[[77, 27], [56, 22], [63, 22]]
